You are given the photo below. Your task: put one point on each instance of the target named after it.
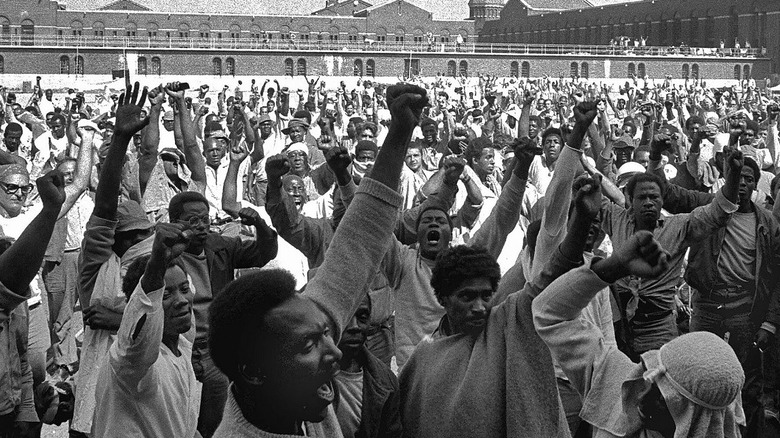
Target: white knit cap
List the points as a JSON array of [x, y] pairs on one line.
[[297, 147]]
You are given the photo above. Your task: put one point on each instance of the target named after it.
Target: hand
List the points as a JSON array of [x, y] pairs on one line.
[[660, 143], [128, 112], [338, 159], [587, 201], [203, 110], [525, 152], [453, 166], [250, 216], [641, 255], [585, 112], [763, 339], [170, 240], [734, 161], [238, 153], [156, 96], [277, 166], [170, 91], [682, 307], [528, 99], [100, 317], [51, 188], [406, 103]]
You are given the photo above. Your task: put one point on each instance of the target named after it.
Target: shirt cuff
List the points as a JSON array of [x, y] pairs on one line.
[[725, 204], [768, 326]]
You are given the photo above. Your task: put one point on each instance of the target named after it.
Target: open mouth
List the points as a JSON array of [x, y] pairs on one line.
[[433, 237], [325, 392]]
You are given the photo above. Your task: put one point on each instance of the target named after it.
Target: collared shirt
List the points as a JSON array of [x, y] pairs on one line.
[[144, 389], [77, 218], [215, 182], [675, 233], [540, 175]]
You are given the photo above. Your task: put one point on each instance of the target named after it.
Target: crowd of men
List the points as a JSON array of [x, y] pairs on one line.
[[437, 258]]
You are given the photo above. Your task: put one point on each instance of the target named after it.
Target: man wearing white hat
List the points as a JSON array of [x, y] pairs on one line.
[[509, 122]]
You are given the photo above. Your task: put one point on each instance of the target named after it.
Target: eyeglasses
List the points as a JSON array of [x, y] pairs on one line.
[[196, 220], [12, 189]]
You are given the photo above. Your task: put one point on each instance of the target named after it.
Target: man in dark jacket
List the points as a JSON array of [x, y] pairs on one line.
[[368, 403], [734, 274], [210, 261]]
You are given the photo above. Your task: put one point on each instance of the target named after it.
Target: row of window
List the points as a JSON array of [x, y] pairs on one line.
[[742, 73], [78, 62], [143, 66]]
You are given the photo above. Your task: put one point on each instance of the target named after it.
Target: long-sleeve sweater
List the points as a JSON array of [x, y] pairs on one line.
[[499, 383], [595, 368]]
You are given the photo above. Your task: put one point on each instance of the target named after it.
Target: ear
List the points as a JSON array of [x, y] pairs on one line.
[[251, 375]]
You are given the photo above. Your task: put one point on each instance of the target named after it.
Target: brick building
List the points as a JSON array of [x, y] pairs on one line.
[[389, 39], [697, 23]]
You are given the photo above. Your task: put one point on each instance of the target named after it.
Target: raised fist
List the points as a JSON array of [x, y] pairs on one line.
[[406, 103], [51, 188], [277, 166]]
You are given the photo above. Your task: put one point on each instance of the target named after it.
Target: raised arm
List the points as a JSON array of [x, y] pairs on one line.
[[128, 122], [150, 138], [192, 153], [83, 171], [362, 238], [230, 203]]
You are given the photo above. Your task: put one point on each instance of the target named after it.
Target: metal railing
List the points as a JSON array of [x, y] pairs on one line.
[[370, 45]]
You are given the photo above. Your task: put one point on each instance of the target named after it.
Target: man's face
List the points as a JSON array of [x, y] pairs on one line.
[[539, 104], [171, 166], [48, 94], [68, 169], [297, 161], [747, 184], [365, 156], [468, 307], [647, 202], [738, 121], [18, 110], [177, 303], [748, 137], [296, 190], [441, 101], [548, 104], [265, 129], [12, 141], [486, 162], [213, 151], [13, 193], [270, 106], [429, 133], [367, 134], [195, 216], [643, 158], [356, 331], [433, 233], [351, 129], [563, 101], [629, 129], [49, 118], [58, 127], [622, 156], [298, 133], [298, 358], [349, 109], [533, 128], [139, 146], [413, 159], [552, 147], [168, 125], [621, 104], [693, 130]]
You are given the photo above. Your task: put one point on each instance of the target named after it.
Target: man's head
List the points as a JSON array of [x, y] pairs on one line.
[[296, 189], [12, 136], [356, 331], [132, 227], [534, 126], [58, 124], [413, 158], [191, 209], [365, 155], [352, 126], [177, 297], [275, 345], [748, 180], [171, 159], [430, 131], [265, 125], [624, 151], [480, 155], [749, 134], [646, 197], [367, 131], [552, 141], [167, 121], [48, 93], [14, 188], [298, 154], [642, 156], [213, 151], [434, 231], [464, 280], [296, 130], [68, 168], [693, 125]]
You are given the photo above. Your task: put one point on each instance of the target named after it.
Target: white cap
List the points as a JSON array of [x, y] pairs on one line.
[[721, 141], [670, 171], [628, 170]]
